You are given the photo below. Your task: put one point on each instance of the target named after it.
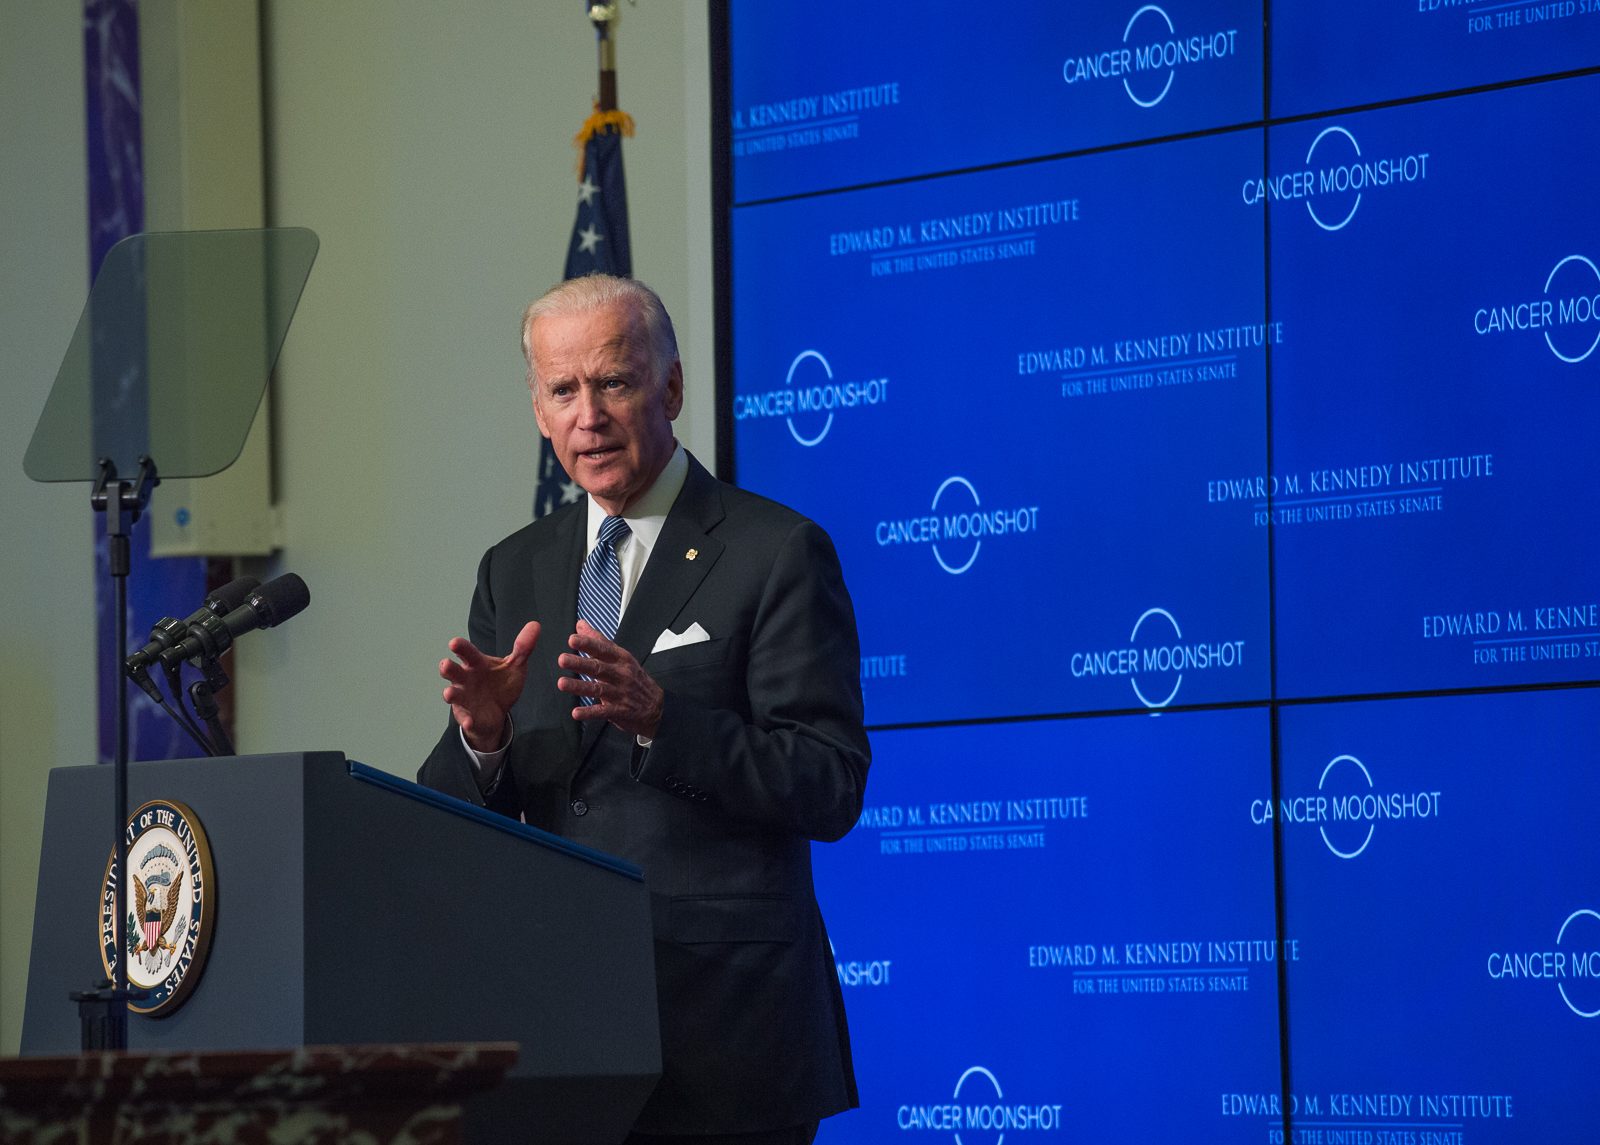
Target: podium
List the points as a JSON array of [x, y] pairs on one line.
[[353, 907]]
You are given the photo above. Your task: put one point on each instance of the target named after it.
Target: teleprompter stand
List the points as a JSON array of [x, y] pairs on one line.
[[169, 359], [103, 1011]]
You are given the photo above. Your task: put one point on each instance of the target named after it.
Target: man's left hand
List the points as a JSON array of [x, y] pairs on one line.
[[623, 691]]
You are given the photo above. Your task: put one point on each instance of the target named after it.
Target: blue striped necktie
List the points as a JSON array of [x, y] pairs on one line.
[[600, 583]]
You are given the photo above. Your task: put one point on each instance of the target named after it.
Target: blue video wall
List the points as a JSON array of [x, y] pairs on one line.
[[1442, 877], [1071, 909], [1203, 399]]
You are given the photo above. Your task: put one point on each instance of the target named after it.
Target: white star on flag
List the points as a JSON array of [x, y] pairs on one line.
[[589, 238], [587, 190]]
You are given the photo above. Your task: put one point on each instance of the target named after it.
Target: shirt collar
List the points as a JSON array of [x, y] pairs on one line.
[[648, 514]]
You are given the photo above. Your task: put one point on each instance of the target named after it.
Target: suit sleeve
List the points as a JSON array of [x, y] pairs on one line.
[[448, 767], [798, 763]]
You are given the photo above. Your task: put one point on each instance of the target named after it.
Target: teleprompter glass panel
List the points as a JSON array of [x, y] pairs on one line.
[[172, 353]]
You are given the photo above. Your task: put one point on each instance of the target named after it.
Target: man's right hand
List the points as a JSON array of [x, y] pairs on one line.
[[481, 689]]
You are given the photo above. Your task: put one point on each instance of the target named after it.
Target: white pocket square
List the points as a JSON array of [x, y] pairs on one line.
[[693, 634]]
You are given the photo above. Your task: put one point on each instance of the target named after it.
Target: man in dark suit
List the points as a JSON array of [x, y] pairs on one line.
[[709, 740]]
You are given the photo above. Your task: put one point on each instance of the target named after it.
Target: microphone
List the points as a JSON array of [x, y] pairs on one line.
[[268, 606], [169, 630]]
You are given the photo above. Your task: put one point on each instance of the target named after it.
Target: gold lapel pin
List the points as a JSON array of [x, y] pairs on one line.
[[691, 554]]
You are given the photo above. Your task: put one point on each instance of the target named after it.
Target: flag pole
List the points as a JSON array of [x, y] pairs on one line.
[[605, 17], [599, 241]]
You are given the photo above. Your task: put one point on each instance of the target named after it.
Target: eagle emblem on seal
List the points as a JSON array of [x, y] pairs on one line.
[[155, 905]]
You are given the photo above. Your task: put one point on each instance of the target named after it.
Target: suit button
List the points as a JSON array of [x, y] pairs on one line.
[[579, 807]]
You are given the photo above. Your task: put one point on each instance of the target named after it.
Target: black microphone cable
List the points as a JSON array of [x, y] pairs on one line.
[[177, 710]]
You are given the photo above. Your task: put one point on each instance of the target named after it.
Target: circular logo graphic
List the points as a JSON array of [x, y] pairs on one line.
[[976, 544], [1581, 923], [1323, 783], [978, 1070], [1338, 133], [1155, 635], [1154, 12], [789, 381], [171, 905], [1578, 304]]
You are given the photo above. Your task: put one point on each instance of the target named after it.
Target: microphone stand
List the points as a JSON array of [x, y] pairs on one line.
[[176, 709], [203, 695], [103, 1011]]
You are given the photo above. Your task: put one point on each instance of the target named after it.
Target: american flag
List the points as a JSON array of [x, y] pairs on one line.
[[599, 244]]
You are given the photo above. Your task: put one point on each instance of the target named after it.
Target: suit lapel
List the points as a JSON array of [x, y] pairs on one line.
[[671, 576], [555, 577]]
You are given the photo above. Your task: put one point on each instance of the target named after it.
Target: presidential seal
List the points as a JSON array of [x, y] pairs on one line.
[[171, 904]]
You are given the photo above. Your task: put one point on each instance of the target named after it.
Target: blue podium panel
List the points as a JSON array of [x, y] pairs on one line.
[[1436, 411], [1009, 396], [1329, 56], [1059, 926], [1441, 873], [831, 94]]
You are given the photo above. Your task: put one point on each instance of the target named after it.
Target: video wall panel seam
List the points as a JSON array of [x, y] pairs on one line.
[[1265, 121]]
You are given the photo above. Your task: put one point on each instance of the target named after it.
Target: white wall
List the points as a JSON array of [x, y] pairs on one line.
[[46, 531], [429, 145]]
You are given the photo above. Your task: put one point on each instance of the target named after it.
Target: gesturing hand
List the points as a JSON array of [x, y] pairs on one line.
[[481, 689], [623, 691]]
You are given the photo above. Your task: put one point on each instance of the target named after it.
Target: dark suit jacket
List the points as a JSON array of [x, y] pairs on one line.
[[760, 750]]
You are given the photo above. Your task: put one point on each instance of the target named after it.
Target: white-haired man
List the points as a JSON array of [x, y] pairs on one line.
[[668, 670]]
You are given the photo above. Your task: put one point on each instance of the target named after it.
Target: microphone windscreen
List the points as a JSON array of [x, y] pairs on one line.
[[279, 599]]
